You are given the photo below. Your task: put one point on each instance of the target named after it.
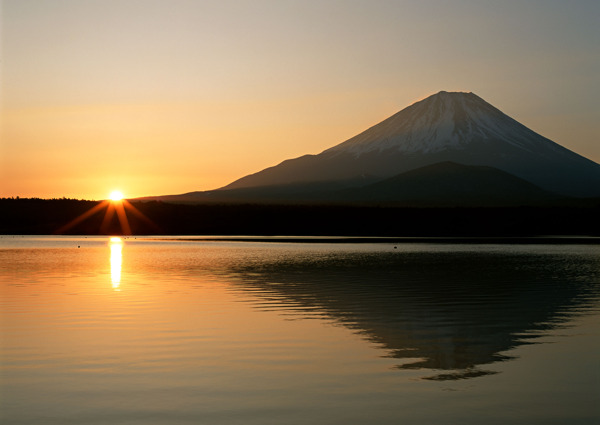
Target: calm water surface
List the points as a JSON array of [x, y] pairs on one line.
[[159, 331]]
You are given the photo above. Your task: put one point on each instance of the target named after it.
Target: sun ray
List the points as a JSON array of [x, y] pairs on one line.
[[139, 214], [108, 215], [82, 217], [116, 204], [125, 228]]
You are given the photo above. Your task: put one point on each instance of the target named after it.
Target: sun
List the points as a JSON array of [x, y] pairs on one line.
[[115, 204], [116, 195]]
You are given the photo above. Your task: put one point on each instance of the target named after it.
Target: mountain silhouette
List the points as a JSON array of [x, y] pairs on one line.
[[451, 184], [439, 185], [446, 127]]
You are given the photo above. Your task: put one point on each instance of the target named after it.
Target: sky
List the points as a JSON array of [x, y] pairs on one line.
[[156, 97]]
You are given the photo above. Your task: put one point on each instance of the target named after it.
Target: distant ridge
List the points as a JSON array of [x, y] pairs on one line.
[[452, 184], [447, 127], [439, 185]]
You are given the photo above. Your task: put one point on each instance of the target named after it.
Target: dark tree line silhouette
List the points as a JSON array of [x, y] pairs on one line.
[[39, 216]]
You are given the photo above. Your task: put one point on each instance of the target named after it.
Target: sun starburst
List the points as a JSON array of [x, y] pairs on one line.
[[115, 204]]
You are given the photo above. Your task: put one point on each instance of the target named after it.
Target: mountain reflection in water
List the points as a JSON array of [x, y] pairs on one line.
[[446, 312]]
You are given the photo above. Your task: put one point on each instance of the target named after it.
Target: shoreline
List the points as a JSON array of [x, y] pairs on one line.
[[516, 240]]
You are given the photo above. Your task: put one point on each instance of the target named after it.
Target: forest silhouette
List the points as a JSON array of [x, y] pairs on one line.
[[60, 216]]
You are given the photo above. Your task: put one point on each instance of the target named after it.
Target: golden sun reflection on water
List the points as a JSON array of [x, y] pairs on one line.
[[116, 260]]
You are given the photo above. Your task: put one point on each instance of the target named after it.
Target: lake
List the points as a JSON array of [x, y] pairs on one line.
[[99, 330]]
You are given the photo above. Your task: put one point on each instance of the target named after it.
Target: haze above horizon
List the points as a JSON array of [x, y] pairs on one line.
[[159, 97]]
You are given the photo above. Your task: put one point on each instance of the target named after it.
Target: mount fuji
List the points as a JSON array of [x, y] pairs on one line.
[[448, 127]]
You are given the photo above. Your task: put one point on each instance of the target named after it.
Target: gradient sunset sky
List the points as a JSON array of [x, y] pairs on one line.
[[164, 97]]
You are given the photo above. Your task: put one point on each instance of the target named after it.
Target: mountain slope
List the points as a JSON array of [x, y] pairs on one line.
[[438, 185], [452, 184], [456, 127]]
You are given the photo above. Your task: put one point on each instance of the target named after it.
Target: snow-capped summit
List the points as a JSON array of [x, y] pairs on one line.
[[442, 121], [447, 126]]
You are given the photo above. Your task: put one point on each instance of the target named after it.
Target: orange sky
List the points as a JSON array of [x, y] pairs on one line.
[[163, 97]]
